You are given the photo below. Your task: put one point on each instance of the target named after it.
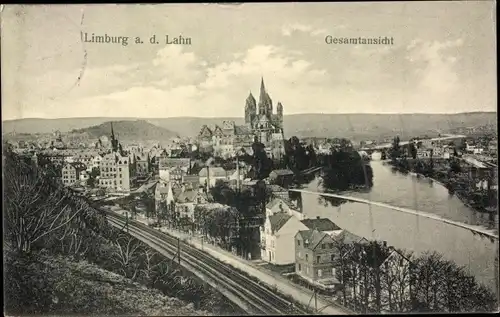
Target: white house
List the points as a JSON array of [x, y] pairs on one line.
[[163, 192], [167, 165], [212, 176], [278, 238]]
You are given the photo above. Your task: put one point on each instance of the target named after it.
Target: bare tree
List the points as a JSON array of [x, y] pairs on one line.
[[34, 208], [125, 255]]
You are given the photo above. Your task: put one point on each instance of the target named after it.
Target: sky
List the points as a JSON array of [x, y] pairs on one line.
[[443, 59]]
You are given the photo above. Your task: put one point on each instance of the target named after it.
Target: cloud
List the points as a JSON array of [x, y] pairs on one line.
[[197, 89], [177, 66], [434, 65], [289, 29]]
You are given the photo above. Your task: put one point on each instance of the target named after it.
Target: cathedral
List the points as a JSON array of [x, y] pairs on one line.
[[261, 125]]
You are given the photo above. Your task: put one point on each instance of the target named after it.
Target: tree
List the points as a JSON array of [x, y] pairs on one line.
[[126, 251], [395, 151], [261, 163], [413, 150], [342, 250]]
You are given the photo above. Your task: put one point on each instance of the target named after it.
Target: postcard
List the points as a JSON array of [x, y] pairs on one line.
[[250, 158]]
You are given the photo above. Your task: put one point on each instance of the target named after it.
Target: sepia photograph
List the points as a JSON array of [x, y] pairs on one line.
[[220, 159]]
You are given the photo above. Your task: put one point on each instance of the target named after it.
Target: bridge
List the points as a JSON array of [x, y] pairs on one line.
[[387, 146], [474, 229]]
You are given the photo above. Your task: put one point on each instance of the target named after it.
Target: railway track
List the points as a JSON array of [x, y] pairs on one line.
[[253, 297]]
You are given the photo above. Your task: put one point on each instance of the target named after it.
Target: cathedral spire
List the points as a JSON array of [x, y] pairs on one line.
[[114, 141], [112, 132], [262, 87]]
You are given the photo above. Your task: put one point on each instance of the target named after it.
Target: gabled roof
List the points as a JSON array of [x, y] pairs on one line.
[[313, 238], [188, 196], [167, 162], [214, 172], [276, 201], [276, 188], [278, 220], [321, 224], [283, 172], [242, 130], [191, 179]]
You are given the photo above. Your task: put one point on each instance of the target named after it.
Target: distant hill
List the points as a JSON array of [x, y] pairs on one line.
[[128, 130], [353, 126]]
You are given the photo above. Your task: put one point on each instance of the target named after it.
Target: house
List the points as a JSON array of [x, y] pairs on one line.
[[315, 257], [278, 191], [115, 172], [163, 193], [277, 205], [210, 175], [236, 177], [71, 173], [141, 164], [186, 200], [424, 153], [322, 225], [282, 177], [167, 164], [277, 238], [95, 162]]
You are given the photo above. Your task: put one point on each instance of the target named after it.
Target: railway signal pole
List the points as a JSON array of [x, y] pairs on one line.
[[179, 251]]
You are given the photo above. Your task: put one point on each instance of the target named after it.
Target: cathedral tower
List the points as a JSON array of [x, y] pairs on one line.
[[265, 102], [250, 109], [279, 115]]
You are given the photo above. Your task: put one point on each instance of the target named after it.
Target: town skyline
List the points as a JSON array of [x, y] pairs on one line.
[[436, 65]]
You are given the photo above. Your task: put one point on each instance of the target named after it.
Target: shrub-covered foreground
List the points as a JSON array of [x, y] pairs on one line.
[[61, 285], [63, 257]]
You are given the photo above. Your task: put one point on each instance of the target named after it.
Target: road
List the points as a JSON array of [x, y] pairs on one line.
[[251, 296]]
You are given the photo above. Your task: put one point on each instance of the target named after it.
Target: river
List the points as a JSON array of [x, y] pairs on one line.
[[407, 231]]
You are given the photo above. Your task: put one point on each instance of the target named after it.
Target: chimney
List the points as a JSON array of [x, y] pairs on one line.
[[384, 243], [317, 217]]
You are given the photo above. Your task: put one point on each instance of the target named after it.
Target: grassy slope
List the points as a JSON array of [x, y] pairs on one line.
[[59, 285]]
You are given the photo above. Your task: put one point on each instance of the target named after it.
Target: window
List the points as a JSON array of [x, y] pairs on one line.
[[323, 246], [333, 271], [400, 262], [307, 257], [298, 242], [318, 258], [300, 267], [332, 257], [300, 255], [330, 245], [320, 272]]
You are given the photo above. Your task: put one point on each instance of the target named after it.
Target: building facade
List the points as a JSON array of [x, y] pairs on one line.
[[315, 255], [71, 173], [261, 125]]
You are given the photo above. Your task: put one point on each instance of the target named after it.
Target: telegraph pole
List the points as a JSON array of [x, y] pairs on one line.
[[179, 251], [315, 301], [126, 221]]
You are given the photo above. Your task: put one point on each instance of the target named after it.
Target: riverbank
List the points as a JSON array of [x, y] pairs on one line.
[[457, 184]]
